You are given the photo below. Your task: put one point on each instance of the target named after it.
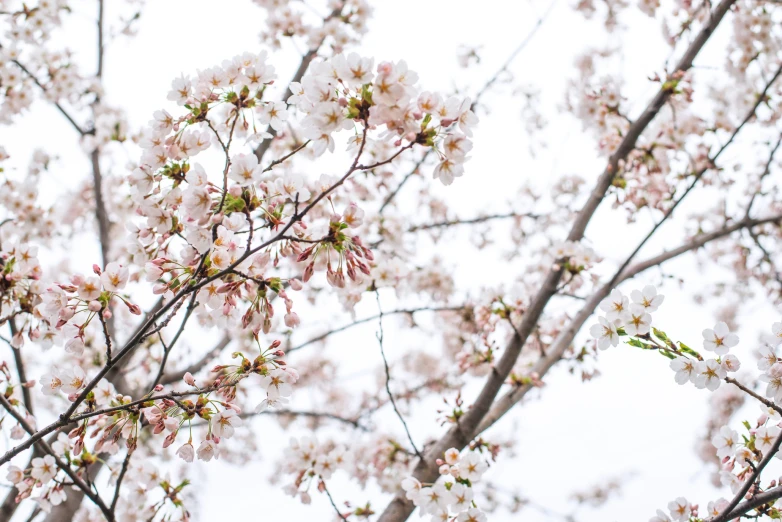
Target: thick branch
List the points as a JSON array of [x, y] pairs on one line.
[[459, 435], [101, 214], [565, 338], [755, 502]]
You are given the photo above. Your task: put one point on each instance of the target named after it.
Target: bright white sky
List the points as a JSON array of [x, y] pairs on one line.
[[634, 419]]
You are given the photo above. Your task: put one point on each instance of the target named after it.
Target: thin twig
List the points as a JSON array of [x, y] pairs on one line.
[[513, 55], [120, 478], [388, 375], [408, 311], [331, 499]]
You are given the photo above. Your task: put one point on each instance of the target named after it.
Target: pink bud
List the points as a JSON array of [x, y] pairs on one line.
[[189, 379], [308, 272], [169, 439], [158, 387], [94, 306], [96, 269], [292, 320]]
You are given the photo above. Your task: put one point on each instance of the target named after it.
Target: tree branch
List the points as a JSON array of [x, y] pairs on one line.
[[388, 376], [565, 338], [461, 433]]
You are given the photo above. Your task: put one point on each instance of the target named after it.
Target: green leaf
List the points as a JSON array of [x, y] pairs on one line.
[[686, 349], [660, 334]]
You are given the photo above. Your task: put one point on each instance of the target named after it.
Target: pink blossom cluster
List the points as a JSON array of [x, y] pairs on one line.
[[451, 497]]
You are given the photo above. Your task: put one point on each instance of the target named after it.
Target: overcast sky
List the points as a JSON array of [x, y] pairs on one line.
[[633, 423]]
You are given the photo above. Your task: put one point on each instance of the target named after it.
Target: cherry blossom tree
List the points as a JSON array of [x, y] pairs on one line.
[[194, 289]]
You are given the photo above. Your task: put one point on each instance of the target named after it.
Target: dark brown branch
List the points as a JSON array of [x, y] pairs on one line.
[[565, 338], [461, 433], [758, 500]]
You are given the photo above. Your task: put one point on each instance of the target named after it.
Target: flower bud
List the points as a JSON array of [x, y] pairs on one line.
[[292, 320]]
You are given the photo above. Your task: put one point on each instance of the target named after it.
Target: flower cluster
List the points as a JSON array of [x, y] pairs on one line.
[[20, 274], [66, 310], [771, 365], [346, 88], [680, 511], [344, 25], [634, 319], [740, 456], [452, 495], [623, 317], [575, 255], [312, 462], [709, 373], [39, 475]]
